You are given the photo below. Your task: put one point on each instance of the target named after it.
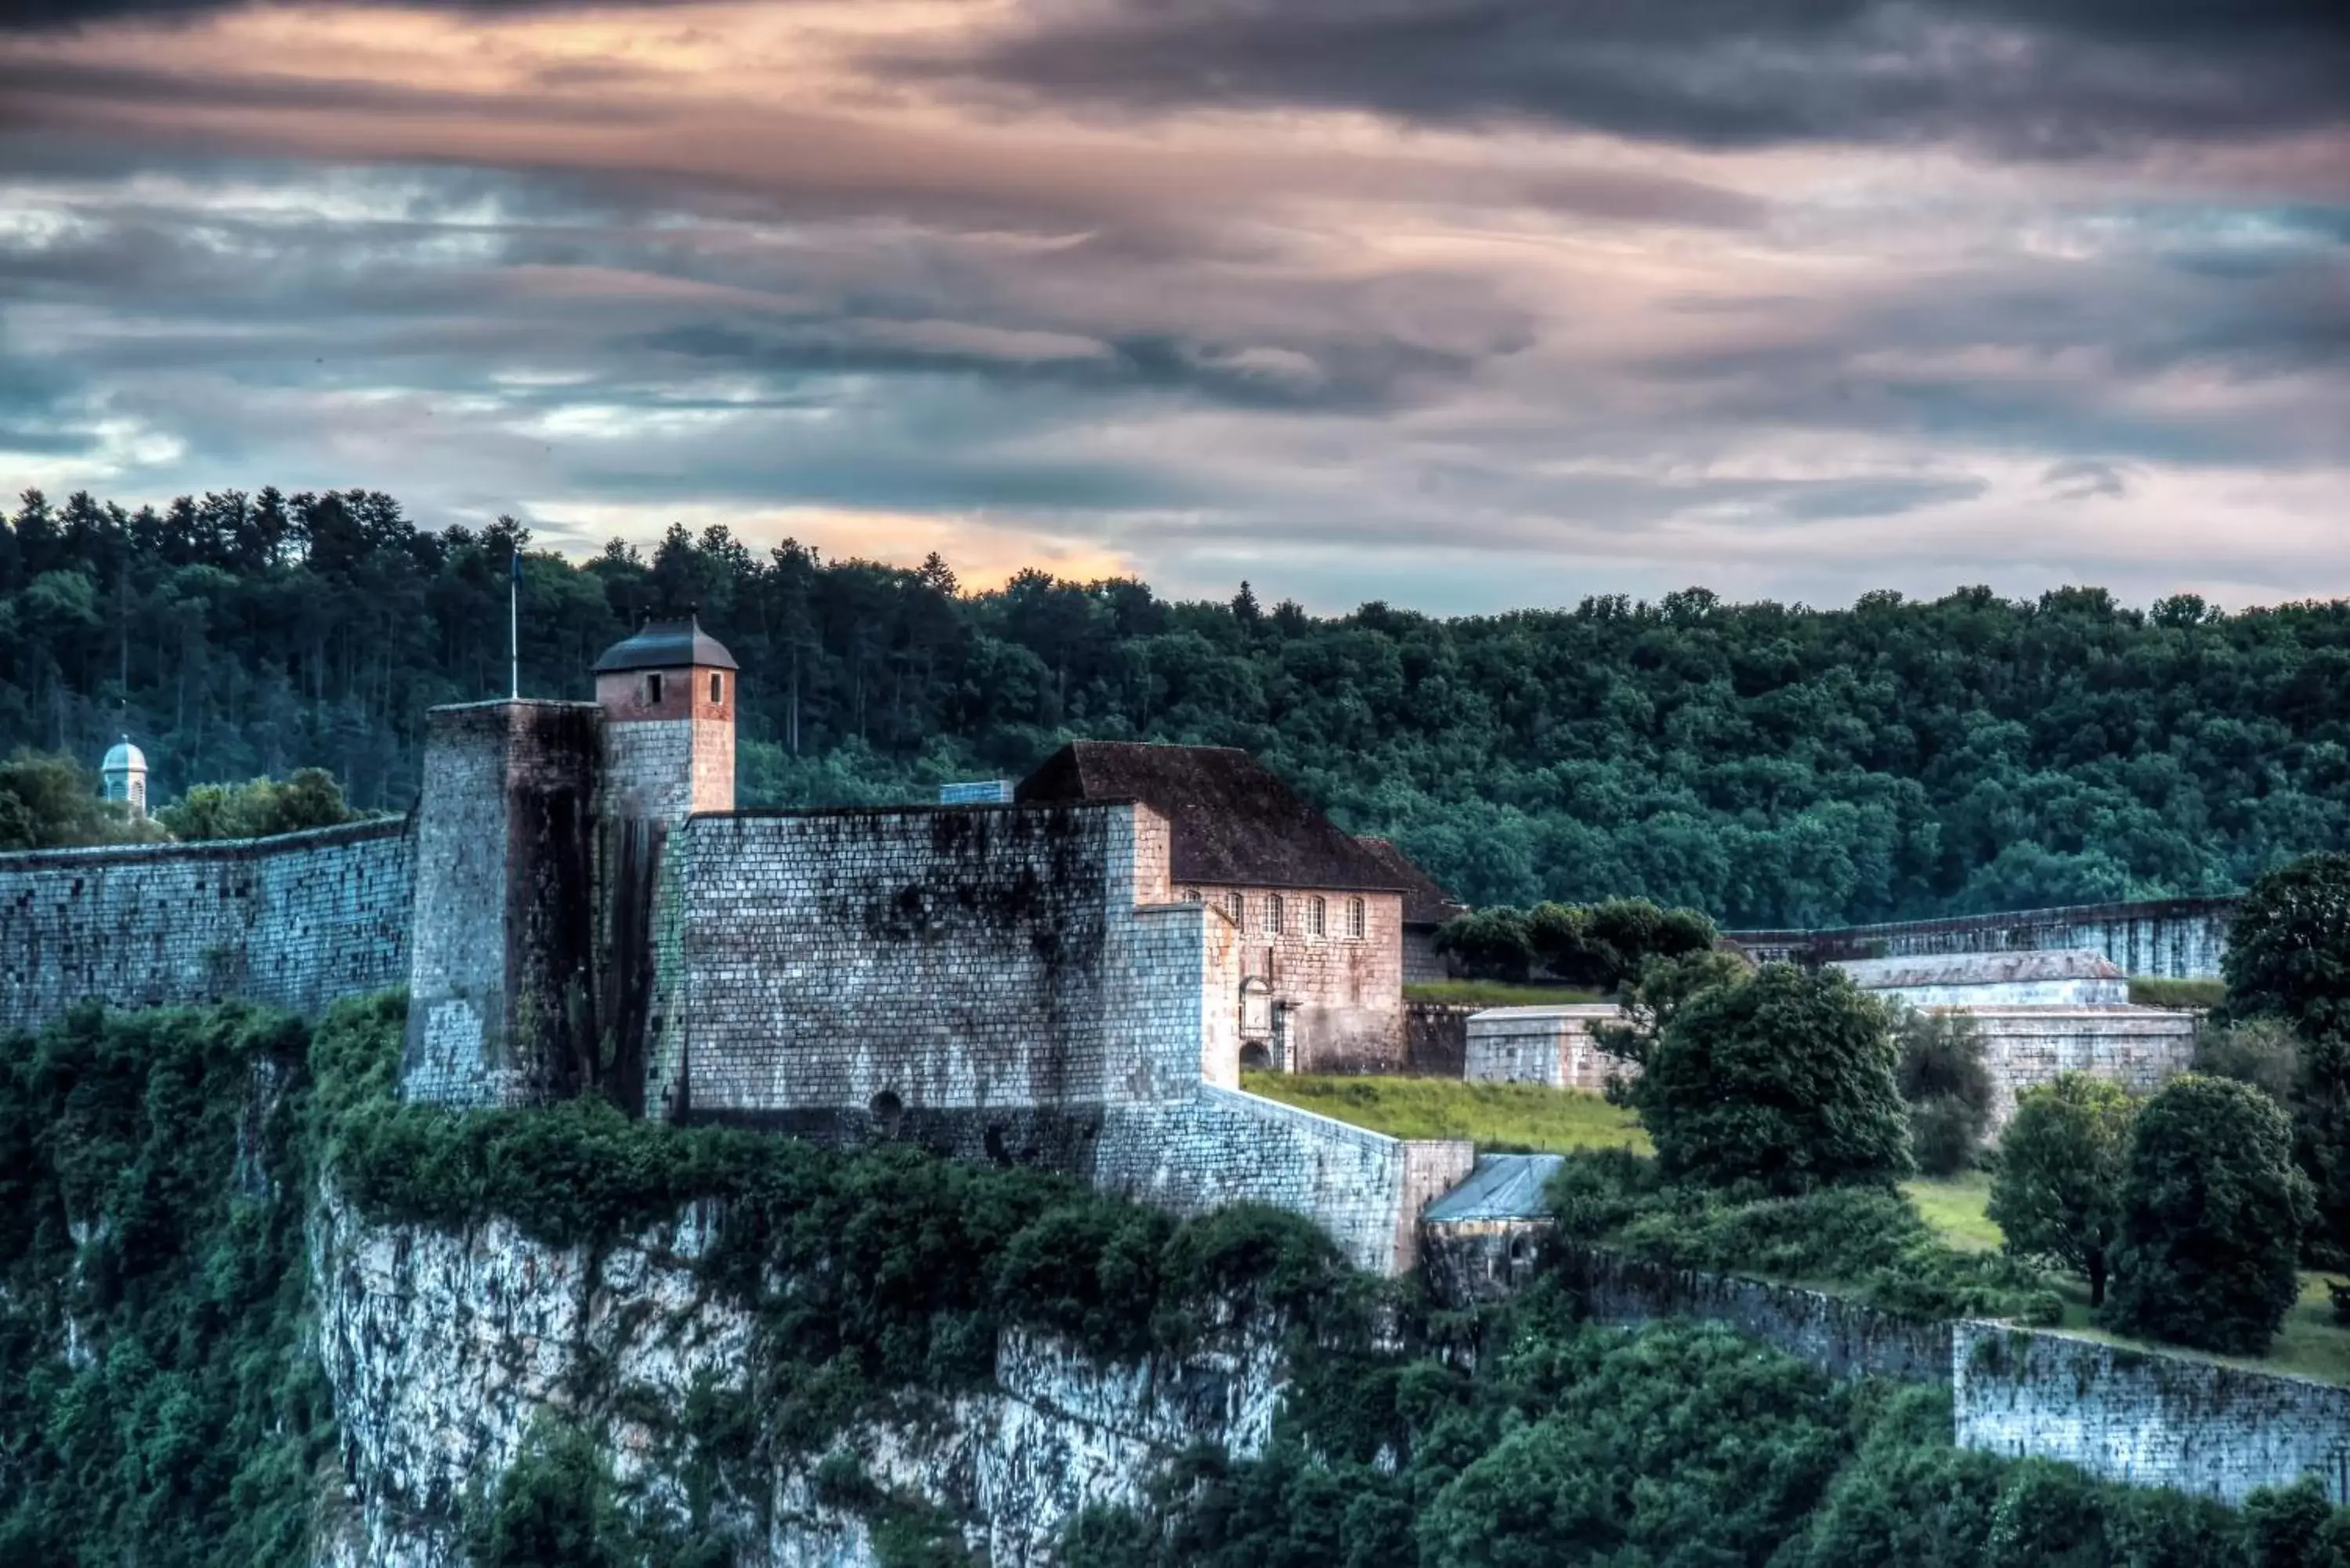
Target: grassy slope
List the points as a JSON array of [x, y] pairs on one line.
[[1514, 1116], [1499, 1116]]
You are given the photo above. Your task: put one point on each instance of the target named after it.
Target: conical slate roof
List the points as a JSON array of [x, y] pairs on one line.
[[666, 645]]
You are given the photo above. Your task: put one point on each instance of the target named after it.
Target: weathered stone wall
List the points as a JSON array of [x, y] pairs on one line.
[[2148, 1420], [1422, 963], [903, 960], [1436, 1039], [1553, 1045], [2178, 939], [1842, 1338], [1342, 995], [501, 1006], [2138, 1047], [1218, 1146], [294, 921]]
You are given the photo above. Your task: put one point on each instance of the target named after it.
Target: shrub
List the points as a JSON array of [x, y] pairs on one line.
[[2263, 1051], [1489, 944], [1947, 1086], [2056, 1191], [1787, 1081], [2212, 1215]]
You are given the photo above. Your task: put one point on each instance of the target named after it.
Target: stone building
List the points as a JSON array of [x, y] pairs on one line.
[[1427, 905], [1319, 915]]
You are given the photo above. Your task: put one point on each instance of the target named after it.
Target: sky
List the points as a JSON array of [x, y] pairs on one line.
[[1462, 304]]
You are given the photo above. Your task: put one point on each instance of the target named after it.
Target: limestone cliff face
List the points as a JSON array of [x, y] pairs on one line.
[[443, 1349]]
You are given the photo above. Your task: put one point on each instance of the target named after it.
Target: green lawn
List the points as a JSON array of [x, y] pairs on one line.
[[2153, 990], [1498, 1116], [2311, 1343], [1496, 993], [1954, 1206]]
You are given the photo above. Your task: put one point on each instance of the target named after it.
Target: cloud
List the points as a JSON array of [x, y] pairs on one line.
[[2060, 79]]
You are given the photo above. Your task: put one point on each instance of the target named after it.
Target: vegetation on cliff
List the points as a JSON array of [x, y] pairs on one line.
[[1764, 762]]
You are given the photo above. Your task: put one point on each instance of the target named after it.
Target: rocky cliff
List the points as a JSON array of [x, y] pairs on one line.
[[444, 1348]]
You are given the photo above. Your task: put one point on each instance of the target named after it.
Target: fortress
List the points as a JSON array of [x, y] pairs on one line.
[[1070, 980]]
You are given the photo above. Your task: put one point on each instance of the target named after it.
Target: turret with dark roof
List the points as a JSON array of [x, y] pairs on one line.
[[666, 645]]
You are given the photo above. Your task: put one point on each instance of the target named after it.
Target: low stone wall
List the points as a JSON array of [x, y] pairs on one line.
[[2144, 1418], [1842, 1338], [1553, 1045], [292, 921], [1221, 1146], [2139, 1048]]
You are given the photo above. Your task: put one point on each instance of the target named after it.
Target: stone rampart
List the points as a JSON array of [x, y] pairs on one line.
[[1842, 1338], [2139, 1048], [292, 921], [1219, 1145], [2146, 1418], [1435, 1038], [2177, 939], [1555, 1045], [897, 961]]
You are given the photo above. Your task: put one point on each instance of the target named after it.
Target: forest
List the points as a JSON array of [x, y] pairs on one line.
[[1767, 763]]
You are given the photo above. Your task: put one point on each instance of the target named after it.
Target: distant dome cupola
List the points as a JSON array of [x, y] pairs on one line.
[[124, 772]]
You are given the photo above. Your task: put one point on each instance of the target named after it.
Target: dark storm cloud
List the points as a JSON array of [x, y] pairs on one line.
[[2063, 77]]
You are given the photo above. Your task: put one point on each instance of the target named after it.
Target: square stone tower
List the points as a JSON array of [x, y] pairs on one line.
[[666, 695], [500, 1009]]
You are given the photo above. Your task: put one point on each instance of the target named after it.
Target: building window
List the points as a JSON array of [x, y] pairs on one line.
[[1191, 895], [653, 691], [717, 687], [1237, 907], [1354, 919], [1317, 916], [1273, 914]]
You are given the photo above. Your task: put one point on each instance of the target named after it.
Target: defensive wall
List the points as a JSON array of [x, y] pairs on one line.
[[2145, 1416], [292, 921], [2177, 939], [1003, 983]]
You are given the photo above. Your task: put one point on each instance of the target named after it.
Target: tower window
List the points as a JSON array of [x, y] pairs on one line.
[[1355, 920], [1317, 918], [717, 687], [653, 691], [1273, 914]]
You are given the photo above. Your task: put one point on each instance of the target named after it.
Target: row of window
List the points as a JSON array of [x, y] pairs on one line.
[[1275, 916], [653, 691]]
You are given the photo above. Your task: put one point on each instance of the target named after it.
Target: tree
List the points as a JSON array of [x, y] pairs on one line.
[[1491, 944], [2288, 961], [2055, 1193], [259, 807], [1947, 1086], [1649, 1002], [2289, 947], [2211, 1216], [2263, 1051], [1787, 1081], [50, 802]]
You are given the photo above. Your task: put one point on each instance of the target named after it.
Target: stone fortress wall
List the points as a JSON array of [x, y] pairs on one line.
[[2176, 939], [294, 921]]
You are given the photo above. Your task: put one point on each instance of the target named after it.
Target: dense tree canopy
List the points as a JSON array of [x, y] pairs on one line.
[[2211, 1216], [2057, 1190], [1763, 763], [1786, 1080]]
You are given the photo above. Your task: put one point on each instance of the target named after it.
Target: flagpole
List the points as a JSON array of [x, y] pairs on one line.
[[513, 626]]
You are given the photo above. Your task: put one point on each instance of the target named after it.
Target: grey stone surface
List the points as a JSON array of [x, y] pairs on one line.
[[2178, 939], [1553, 1045], [2146, 1418], [2064, 977], [294, 921]]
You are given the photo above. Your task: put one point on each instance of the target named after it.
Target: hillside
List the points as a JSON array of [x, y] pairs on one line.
[[1770, 764]]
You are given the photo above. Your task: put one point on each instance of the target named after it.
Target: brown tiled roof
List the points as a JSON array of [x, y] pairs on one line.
[[1425, 900], [1233, 822]]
